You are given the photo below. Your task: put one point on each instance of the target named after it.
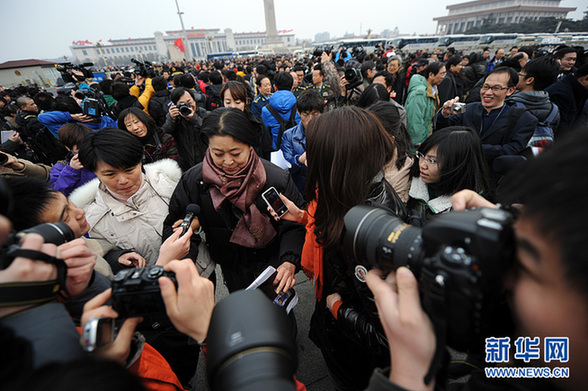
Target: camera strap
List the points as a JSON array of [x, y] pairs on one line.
[[33, 292]]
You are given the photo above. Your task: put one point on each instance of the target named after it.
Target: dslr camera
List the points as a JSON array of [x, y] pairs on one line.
[[458, 258], [135, 292], [91, 104], [185, 109], [353, 76]]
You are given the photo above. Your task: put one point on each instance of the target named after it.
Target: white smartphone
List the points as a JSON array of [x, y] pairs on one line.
[[273, 200]]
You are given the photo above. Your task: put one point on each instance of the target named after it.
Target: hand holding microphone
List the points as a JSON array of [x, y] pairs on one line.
[[192, 210]]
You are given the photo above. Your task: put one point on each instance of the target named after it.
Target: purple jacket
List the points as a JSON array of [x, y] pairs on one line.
[[66, 179]]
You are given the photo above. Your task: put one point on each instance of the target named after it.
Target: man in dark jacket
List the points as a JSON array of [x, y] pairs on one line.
[[160, 102], [502, 130], [537, 75], [570, 94], [185, 128]]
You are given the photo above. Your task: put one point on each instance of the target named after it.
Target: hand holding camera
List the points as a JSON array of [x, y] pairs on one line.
[[408, 328], [98, 334], [453, 106]]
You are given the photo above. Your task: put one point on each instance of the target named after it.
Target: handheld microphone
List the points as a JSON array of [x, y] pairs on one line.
[[191, 211]]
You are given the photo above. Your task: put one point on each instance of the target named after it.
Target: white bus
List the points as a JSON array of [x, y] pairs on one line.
[[414, 43]]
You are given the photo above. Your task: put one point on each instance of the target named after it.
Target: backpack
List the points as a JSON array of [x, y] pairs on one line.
[[44, 146], [284, 125], [543, 134]]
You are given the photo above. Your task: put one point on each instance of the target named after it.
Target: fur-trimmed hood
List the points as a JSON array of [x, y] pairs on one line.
[[154, 172]]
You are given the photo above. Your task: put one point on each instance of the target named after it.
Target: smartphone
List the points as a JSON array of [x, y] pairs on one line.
[[98, 332], [273, 200]]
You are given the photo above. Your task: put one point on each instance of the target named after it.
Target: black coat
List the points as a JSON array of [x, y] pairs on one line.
[[189, 139], [570, 97], [497, 139], [240, 265], [159, 106]]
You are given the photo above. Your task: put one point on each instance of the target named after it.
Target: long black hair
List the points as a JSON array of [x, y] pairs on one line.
[[460, 159]]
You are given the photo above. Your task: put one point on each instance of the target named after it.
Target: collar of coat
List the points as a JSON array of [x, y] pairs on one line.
[[418, 190], [85, 194]]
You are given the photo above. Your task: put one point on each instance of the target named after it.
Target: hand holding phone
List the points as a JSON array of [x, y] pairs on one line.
[[273, 200]]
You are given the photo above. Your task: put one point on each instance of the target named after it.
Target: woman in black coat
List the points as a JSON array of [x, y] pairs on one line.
[[241, 235]]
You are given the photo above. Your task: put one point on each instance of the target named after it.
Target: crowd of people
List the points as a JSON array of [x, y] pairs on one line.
[[420, 135]]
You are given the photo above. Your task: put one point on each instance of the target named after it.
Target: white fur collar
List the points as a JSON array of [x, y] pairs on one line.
[[418, 190], [83, 196]]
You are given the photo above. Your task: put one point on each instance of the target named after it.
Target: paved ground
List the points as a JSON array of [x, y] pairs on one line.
[[311, 367]]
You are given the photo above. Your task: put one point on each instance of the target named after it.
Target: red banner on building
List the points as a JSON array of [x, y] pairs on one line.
[[180, 45]]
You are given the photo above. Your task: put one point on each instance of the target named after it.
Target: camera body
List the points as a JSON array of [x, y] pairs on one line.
[[185, 109], [459, 259], [92, 104], [135, 292], [144, 68], [458, 108], [353, 77]]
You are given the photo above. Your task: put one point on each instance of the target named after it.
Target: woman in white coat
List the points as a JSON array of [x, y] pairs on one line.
[[127, 202]]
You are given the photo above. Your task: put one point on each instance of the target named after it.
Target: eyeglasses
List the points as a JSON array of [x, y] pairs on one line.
[[429, 159], [486, 87]]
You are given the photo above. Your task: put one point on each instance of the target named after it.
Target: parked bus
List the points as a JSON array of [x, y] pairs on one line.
[[414, 43]]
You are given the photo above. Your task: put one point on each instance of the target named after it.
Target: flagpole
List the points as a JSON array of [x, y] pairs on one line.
[[187, 48]]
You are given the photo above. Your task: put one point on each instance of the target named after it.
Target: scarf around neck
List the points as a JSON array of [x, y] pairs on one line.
[[253, 230]]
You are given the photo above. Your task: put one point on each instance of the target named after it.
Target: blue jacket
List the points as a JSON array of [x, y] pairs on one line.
[[283, 101], [294, 144], [492, 128], [54, 120], [66, 179]]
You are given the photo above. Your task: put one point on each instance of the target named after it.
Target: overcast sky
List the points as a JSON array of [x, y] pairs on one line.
[[46, 28]]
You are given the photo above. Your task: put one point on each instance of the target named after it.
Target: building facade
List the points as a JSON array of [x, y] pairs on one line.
[[162, 47], [28, 72], [464, 16]]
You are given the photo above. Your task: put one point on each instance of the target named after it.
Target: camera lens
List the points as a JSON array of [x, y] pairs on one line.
[[380, 239], [56, 233], [250, 345]]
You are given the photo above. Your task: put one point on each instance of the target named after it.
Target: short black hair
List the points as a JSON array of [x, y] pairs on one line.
[[159, 83], [109, 145], [284, 81], [373, 93], [389, 115], [453, 60], [215, 78], [434, 68], [544, 70], [582, 71], [365, 67], [513, 76], [187, 80], [310, 100], [44, 101], [120, 90], [560, 53], [177, 93], [30, 199]]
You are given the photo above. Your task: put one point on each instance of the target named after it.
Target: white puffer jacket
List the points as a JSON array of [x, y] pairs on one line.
[[139, 225]]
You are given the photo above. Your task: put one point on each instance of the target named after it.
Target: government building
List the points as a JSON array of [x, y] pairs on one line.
[[163, 48], [464, 16]]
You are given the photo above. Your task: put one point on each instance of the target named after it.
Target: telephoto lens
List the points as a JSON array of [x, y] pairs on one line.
[[250, 345]]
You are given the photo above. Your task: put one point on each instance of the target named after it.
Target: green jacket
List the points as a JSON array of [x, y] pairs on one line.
[[420, 108]]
